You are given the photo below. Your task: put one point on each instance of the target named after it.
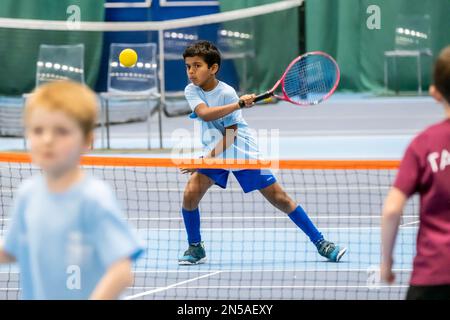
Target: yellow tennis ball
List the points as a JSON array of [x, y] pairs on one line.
[[128, 57]]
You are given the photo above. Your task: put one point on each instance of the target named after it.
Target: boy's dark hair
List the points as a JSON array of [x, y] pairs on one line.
[[204, 49], [442, 73]]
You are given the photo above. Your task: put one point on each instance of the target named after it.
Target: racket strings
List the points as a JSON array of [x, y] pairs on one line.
[[310, 79]]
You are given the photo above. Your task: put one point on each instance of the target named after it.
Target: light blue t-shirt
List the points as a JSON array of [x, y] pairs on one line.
[[65, 242], [245, 146]]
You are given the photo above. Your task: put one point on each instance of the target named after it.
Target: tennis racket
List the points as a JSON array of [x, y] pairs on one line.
[[308, 80]]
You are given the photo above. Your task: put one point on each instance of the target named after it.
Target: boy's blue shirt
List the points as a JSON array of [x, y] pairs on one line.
[[245, 146], [65, 242]]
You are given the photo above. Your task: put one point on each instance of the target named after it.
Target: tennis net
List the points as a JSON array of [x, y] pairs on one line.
[[254, 251]]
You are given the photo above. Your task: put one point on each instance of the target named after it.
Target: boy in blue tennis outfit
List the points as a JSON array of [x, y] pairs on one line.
[[217, 106], [67, 232]]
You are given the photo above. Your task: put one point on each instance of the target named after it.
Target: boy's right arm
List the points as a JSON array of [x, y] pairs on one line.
[[406, 183], [211, 114], [390, 222], [10, 245]]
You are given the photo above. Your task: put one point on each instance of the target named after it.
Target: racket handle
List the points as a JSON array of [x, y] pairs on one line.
[[263, 96], [260, 97]]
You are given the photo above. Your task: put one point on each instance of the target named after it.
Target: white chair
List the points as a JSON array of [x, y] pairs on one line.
[[137, 83], [412, 40], [58, 62]]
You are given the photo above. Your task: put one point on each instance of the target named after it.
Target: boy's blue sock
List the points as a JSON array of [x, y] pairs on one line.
[[302, 220], [192, 224]]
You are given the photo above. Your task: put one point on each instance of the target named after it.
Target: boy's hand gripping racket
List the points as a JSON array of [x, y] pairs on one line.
[[309, 79]]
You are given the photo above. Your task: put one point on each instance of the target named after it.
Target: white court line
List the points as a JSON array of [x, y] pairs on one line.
[[170, 287], [9, 289], [256, 270], [281, 216], [278, 217], [181, 189], [409, 223], [297, 189], [291, 287], [248, 270], [273, 229]]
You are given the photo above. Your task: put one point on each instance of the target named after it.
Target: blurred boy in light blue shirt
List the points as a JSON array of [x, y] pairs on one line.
[[66, 231]]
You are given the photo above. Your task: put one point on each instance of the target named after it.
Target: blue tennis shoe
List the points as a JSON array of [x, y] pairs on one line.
[[329, 250], [195, 254]]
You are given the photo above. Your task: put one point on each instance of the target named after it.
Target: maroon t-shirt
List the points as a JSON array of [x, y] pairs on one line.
[[425, 169]]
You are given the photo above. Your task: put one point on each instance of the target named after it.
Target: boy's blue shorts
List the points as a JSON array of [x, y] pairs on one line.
[[250, 180]]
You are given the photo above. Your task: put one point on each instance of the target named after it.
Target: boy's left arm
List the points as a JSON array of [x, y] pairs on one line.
[[222, 145], [227, 140], [115, 242], [231, 131], [116, 279]]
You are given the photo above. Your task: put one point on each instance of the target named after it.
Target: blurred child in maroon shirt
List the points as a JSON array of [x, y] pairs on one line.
[[425, 169]]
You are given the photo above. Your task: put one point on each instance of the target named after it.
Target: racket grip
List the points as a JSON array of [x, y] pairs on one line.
[[260, 97], [263, 96]]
